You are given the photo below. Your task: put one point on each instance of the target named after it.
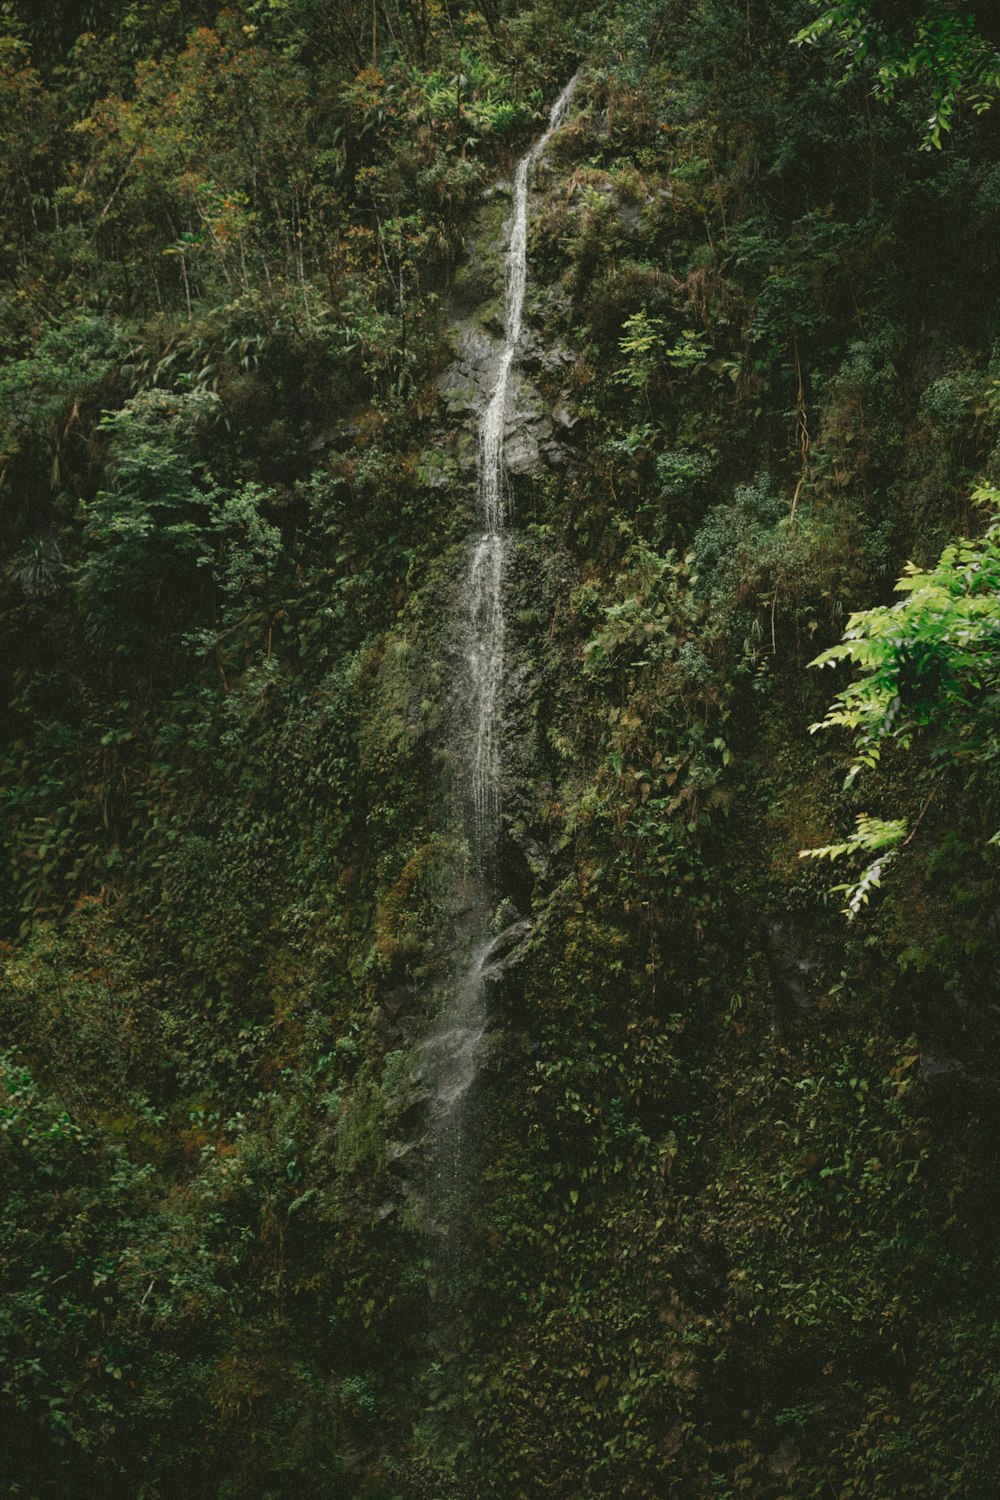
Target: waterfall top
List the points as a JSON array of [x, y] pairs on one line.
[[492, 490]]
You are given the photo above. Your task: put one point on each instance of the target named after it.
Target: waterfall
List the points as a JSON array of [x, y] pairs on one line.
[[452, 1052], [484, 585]]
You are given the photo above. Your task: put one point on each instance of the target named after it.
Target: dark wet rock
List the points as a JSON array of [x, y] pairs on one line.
[[477, 302], [397, 1152], [528, 429], [785, 1458], [506, 950], [537, 858], [340, 435], [466, 383], [396, 1001], [501, 188], [937, 1070], [794, 969], [556, 357], [563, 414], [539, 353], [630, 217]]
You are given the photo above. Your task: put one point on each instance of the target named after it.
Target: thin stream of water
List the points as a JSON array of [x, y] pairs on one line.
[[453, 1051], [484, 583]]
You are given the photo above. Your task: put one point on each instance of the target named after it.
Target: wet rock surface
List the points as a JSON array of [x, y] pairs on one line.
[[535, 434]]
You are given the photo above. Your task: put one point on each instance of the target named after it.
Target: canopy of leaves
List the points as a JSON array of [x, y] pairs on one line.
[[939, 45]]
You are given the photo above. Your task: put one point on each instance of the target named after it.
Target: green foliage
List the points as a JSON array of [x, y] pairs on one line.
[[939, 46], [929, 663], [42, 396], [147, 538], [729, 1199], [93, 1278], [878, 836], [929, 671]]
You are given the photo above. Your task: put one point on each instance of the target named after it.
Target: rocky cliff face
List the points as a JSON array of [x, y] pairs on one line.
[[693, 1096]]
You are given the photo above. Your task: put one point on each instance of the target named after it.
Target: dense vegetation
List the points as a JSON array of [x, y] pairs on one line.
[[733, 1223]]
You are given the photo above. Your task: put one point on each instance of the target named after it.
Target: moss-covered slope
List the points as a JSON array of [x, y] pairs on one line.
[[731, 1192]]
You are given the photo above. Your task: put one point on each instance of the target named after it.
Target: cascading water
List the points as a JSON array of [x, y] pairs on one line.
[[485, 579], [453, 1050]]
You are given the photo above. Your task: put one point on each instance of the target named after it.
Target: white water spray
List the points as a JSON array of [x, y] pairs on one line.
[[484, 588], [452, 1053]]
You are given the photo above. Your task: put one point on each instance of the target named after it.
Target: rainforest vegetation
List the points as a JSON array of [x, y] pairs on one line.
[[731, 1229]]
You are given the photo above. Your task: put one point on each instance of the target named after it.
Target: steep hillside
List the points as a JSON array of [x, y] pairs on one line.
[[718, 1217]]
